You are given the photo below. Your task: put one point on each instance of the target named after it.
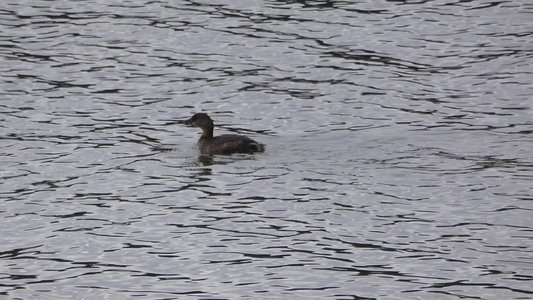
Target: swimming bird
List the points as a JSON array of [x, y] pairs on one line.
[[223, 144]]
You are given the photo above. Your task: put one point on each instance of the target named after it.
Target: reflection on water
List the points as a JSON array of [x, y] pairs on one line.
[[398, 160]]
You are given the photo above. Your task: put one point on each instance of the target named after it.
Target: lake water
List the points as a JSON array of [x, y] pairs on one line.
[[399, 160]]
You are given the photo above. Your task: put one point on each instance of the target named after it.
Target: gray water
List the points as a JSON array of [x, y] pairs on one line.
[[399, 160]]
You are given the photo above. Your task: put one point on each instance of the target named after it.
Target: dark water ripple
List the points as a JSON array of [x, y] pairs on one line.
[[398, 161]]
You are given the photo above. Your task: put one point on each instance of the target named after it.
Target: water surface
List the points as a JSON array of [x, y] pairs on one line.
[[398, 162]]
